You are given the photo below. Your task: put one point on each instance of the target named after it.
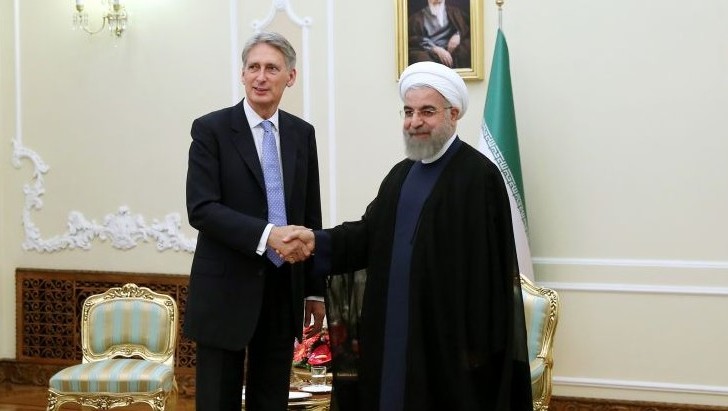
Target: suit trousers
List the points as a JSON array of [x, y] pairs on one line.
[[220, 373]]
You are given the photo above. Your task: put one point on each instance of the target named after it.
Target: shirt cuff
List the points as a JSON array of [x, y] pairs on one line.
[[264, 239], [315, 298]]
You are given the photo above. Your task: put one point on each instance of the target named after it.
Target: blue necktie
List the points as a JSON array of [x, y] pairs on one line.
[[273, 185]]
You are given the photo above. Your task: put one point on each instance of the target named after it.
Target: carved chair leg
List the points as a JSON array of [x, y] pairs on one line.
[[52, 402]]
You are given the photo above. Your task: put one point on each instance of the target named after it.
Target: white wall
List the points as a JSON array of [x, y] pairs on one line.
[[620, 108]]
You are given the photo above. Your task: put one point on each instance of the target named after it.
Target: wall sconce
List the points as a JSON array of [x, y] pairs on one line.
[[115, 17]]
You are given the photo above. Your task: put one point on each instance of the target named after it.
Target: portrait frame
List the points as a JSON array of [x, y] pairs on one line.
[[469, 68]]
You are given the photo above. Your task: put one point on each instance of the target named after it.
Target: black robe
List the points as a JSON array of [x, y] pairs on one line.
[[466, 338], [419, 39]]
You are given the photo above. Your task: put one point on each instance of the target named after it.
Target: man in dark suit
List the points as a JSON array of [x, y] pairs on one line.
[[243, 300]]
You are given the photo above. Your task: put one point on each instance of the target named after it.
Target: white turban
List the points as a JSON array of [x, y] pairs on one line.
[[439, 77]]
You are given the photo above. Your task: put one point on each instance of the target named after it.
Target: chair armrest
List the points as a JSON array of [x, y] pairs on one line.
[[537, 365]]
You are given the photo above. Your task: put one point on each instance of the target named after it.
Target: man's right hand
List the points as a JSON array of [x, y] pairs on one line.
[[301, 237], [444, 56], [453, 43], [293, 250]]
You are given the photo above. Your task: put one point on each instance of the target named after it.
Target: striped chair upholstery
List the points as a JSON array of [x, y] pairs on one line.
[[541, 307], [128, 337]]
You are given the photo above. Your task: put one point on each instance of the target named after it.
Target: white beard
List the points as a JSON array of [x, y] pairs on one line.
[[439, 11], [418, 149]]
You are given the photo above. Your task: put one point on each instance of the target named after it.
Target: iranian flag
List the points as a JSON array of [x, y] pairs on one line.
[[500, 145]]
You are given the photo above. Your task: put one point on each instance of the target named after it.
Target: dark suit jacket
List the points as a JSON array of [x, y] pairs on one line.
[[226, 203]]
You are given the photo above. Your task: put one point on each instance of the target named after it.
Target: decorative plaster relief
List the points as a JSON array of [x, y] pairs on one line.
[[123, 229], [279, 5]]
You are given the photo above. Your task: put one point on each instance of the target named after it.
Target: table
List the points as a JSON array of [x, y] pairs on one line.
[[316, 402]]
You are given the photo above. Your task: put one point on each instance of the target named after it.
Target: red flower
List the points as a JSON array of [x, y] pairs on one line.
[[320, 355], [300, 351], [314, 350]]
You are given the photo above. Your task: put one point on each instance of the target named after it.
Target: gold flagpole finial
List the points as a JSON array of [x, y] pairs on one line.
[[499, 3]]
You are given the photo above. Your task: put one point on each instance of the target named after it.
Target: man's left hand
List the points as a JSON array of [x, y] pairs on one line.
[[317, 309]]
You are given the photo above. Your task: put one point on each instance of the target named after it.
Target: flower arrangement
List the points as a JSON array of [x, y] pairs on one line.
[[314, 350]]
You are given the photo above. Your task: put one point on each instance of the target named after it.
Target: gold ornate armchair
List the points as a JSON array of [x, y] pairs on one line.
[[541, 306], [128, 337]]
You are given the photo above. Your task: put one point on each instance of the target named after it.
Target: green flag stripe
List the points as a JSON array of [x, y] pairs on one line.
[[500, 123]]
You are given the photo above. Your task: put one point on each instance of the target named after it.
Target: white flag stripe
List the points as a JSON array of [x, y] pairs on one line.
[[490, 148], [520, 234]]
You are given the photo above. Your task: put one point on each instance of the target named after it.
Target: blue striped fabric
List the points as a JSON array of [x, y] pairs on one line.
[[114, 376], [122, 322], [535, 310], [537, 369]]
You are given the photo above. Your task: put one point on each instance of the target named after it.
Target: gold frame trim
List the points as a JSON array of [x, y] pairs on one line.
[[157, 399], [474, 72], [129, 292], [541, 402]]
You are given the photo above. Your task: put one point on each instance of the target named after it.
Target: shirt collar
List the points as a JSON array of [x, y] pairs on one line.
[[442, 151], [254, 119]]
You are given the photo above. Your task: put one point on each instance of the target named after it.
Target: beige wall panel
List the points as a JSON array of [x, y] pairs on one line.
[[7, 119], [643, 340], [620, 108]]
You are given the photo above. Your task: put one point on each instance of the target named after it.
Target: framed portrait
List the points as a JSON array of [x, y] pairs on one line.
[[445, 31]]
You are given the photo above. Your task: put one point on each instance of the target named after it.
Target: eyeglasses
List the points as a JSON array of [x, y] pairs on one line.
[[409, 113]]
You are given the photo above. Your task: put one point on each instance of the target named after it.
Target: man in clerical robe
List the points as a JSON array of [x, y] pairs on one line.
[[442, 325], [439, 33]]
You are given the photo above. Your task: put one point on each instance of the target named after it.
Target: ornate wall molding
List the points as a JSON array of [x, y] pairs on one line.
[[331, 125], [616, 262], [635, 288], [304, 23], [123, 229], [717, 267], [281, 5]]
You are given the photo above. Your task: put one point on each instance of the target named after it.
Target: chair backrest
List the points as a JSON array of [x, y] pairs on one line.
[[541, 307], [129, 321]]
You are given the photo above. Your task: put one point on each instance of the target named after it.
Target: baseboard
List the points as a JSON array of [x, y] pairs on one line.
[[652, 386], [595, 404]]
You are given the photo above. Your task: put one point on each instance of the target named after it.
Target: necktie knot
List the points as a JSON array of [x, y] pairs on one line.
[[267, 126]]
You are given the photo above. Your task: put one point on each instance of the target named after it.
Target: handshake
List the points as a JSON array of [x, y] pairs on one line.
[[293, 243]]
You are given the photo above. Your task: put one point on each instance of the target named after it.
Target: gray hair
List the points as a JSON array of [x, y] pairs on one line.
[[275, 40]]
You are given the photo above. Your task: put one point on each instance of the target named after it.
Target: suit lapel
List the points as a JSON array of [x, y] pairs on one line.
[[290, 137], [242, 140]]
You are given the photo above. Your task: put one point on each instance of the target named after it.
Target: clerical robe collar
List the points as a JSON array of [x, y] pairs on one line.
[[442, 151]]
